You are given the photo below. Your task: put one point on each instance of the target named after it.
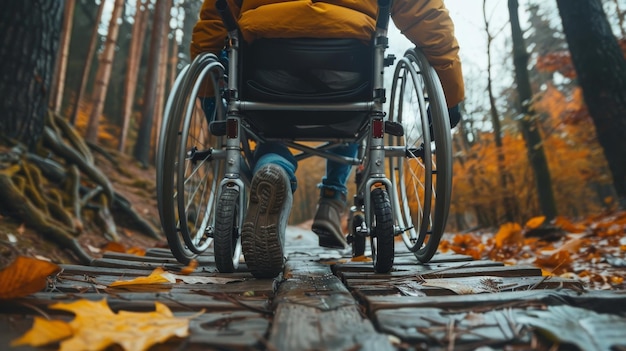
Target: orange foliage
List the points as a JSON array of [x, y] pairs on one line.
[[580, 253]]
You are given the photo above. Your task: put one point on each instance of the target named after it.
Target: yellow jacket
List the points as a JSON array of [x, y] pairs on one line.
[[425, 22]]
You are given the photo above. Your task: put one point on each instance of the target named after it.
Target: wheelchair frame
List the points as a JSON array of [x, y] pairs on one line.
[[382, 208]]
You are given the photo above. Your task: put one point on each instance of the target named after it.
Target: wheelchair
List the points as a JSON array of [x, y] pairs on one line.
[[403, 166]]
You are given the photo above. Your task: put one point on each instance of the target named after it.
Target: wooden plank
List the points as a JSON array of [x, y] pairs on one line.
[[238, 330], [451, 272], [609, 302], [367, 267], [314, 311], [415, 287], [143, 301], [463, 330]]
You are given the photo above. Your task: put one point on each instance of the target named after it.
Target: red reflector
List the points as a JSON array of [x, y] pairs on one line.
[[378, 128], [231, 128]]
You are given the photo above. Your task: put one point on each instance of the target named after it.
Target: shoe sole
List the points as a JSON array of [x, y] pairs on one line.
[[328, 239], [260, 239]]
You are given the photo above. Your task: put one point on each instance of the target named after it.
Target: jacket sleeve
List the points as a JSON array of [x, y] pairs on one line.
[[428, 25], [209, 32]]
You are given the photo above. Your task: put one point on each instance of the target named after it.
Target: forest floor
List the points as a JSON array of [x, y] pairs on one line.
[[592, 249]]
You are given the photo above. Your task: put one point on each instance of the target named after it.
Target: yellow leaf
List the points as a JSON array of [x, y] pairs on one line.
[[25, 276], [44, 332], [535, 222], [96, 327], [156, 277]]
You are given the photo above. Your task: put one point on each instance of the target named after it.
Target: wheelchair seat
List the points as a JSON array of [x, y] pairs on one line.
[[307, 71]]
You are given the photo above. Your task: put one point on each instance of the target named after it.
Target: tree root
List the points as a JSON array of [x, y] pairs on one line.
[[15, 202], [51, 194]]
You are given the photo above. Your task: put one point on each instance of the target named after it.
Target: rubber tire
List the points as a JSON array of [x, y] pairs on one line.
[[383, 236], [226, 238]]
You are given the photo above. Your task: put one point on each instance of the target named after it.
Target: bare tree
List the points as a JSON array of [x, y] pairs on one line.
[[528, 119], [142, 145], [601, 70], [91, 51], [132, 72], [104, 73], [58, 85], [509, 203]]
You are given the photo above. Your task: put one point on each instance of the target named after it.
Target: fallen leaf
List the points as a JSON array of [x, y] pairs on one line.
[[44, 332], [137, 251], [114, 247], [361, 258], [173, 278], [508, 233], [96, 327], [190, 268], [568, 226], [25, 276], [467, 285], [535, 222], [584, 328], [156, 277]]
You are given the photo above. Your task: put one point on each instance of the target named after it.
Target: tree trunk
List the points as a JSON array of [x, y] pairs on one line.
[[161, 92], [142, 146], [28, 48], [58, 85], [508, 201], [601, 70], [80, 92], [134, 59], [104, 73], [528, 120]]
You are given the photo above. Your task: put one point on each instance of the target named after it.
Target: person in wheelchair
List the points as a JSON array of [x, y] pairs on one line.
[[425, 22]]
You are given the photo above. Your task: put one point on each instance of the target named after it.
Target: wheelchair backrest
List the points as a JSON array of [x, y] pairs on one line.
[[306, 70]]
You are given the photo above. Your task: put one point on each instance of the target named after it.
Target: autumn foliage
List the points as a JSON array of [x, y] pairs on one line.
[[591, 249]]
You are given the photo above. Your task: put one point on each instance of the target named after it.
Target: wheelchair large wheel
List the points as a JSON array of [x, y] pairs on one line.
[[382, 237], [188, 165], [422, 176]]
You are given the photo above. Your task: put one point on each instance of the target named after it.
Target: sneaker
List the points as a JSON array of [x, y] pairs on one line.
[[263, 232], [327, 222]]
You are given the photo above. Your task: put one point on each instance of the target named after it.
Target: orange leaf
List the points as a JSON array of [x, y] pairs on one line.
[[361, 258], [190, 268], [96, 327], [569, 226], [44, 332], [25, 276], [535, 222], [137, 251], [508, 233], [155, 277], [114, 247]]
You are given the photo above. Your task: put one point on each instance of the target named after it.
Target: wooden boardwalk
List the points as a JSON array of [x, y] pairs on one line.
[[325, 301]]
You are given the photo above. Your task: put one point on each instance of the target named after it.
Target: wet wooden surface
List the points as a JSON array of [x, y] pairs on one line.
[[326, 301]]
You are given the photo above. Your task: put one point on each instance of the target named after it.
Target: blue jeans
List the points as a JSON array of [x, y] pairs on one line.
[[277, 153]]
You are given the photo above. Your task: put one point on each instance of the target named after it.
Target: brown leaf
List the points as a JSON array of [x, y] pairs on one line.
[[25, 276]]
